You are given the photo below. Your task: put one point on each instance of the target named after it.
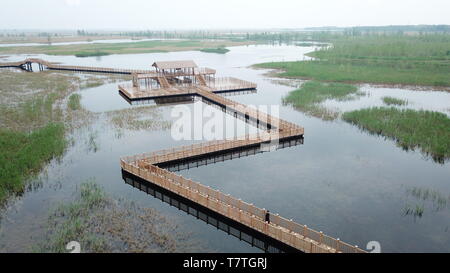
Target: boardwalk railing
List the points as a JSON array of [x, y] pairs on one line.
[[229, 83]]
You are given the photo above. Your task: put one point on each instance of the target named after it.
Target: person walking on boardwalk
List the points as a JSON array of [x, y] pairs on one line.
[[267, 216]]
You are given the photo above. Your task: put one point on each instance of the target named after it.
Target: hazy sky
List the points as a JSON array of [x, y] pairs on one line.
[[202, 14]]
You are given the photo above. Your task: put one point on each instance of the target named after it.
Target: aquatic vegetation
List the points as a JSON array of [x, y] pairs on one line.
[[99, 80], [416, 211], [394, 101], [101, 223], [438, 200], [32, 130], [92, 84], [219, 50], [92, 143], [139, 118], [83, 54], [18, 87], [427, 130], [390, 59], [346, 72], [74, 102], [311, 44], [34, 124], [101, 49], [424, 199], [30, 114], [309, 96], [24, 154]]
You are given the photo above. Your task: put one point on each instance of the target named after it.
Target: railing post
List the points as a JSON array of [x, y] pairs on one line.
[[321, 237]]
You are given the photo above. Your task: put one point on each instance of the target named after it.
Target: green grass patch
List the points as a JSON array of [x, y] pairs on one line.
[[74, 102], [101, 49], [24, 154], [347, 72], [427, 130], [394, 101], [393, 59], [309, 96], [219, 50], [91, 54]]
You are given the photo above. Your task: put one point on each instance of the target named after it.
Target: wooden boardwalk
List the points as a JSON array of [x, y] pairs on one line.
[[26, 65], [146, 166]]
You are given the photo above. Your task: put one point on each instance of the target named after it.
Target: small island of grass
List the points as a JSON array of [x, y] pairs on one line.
[[394, 101], [135, 47], [309, 96], [74, 102], [219, 50], [83, 54], [428, 130]]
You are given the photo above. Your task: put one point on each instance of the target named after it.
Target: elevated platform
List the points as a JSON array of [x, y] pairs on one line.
[[218, 85]]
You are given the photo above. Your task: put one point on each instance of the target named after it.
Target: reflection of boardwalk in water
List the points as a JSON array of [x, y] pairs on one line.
[[242, 232]]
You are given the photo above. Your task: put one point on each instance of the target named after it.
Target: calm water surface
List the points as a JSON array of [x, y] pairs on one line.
[[342, 181]]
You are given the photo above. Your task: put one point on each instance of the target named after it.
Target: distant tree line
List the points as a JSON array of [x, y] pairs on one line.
[[279, 36]]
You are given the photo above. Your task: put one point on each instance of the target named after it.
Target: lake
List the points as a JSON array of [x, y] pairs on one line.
[[342, 181]]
